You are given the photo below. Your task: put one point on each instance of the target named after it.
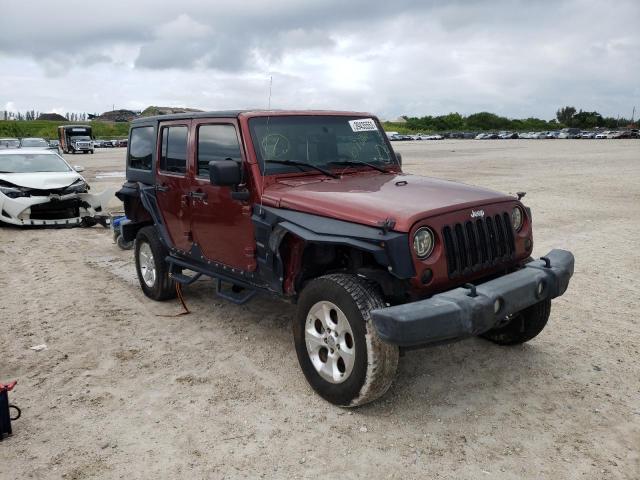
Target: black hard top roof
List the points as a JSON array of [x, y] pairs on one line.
[[236, 113], [188, 115], [74, 126]]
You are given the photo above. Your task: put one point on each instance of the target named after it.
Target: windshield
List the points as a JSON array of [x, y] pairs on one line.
[[34, 142], [32, 162], [82, 138], [320, 140]]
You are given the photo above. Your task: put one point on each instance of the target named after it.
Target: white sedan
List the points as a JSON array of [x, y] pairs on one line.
[[38, 187]]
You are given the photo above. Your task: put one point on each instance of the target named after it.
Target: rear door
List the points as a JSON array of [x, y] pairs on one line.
[[221, 226], [173, 181]]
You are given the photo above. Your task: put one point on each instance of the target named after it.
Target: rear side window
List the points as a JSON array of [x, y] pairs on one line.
[[141, 148], [173, 157], [216, 142]]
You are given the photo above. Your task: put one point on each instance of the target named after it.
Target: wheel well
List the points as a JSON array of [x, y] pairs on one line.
[[303, 261], [135, 210]]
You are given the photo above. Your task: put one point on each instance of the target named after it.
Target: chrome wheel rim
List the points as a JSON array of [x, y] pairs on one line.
[[330, 343], [147, 264]]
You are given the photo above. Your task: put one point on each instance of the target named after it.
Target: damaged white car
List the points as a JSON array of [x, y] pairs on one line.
[[38, 187]]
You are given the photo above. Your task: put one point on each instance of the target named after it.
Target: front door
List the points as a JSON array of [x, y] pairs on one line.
[[173, 183], [221, 226]]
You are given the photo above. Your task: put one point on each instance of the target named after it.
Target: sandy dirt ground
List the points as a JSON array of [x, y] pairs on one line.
[[126, 389]]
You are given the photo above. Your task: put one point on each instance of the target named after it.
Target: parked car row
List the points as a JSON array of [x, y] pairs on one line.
[[28, 142], [110, 143], [418, 136], [37, 142], [553, 134]]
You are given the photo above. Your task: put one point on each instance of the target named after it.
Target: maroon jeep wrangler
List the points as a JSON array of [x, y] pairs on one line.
[[314, 207]]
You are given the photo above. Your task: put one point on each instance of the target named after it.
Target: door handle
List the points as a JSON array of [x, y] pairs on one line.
[[162, 188], [198, 195]]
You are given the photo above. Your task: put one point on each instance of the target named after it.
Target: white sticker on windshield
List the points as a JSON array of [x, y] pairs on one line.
[[363, 125]]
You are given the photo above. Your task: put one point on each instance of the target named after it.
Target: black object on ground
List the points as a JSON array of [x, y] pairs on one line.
[[5, 408]]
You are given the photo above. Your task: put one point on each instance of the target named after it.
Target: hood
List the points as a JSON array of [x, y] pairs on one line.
[[41, 180], [372, 198]]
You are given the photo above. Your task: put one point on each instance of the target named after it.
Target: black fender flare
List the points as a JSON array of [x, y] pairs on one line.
[[390, 249]]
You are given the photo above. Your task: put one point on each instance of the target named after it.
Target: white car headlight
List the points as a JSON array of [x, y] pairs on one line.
[[79, 186], [517, 218], [13, 192], [423, 242]]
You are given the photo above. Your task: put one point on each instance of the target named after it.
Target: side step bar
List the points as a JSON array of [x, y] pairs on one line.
[[181, 278], [238, 294], [239, 298]]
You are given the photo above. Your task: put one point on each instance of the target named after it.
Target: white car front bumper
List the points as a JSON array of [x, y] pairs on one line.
[[53, 209]]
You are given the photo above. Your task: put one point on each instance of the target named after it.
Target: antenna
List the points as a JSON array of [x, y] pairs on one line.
[[264, 163]]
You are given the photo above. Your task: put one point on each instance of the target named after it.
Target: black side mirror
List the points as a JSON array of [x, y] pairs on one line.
[[399, 158], [225, 173]]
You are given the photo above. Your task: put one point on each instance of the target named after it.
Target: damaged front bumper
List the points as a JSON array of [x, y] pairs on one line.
[[465, 312], [51, 210]]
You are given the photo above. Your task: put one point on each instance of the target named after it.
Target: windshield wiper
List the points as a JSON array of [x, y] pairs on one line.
[[358, 162], [296, 163]]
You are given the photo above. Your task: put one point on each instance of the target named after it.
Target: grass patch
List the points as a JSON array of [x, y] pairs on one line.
[[49, 129]]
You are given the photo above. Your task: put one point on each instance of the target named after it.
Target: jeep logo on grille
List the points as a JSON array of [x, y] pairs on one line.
[[477, 213]]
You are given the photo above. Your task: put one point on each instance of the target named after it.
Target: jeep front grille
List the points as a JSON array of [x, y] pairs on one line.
[[478, 244]]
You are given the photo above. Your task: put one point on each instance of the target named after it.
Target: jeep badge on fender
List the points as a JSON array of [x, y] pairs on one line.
[[306, 206]]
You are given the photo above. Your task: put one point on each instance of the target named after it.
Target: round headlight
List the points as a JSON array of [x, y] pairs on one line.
[[517, 218], [423, 242]]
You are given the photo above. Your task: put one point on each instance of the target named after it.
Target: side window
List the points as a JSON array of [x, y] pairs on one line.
[[141, 148], [173, 157], [216, 142]]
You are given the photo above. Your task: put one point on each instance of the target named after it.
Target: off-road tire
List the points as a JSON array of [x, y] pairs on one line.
[[163, 287], [524, 325], [375, 361]]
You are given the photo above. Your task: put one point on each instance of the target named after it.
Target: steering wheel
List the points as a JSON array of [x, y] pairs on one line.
[[275, 145]]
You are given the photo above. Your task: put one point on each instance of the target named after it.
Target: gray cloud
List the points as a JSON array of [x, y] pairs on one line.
[[513, 57]]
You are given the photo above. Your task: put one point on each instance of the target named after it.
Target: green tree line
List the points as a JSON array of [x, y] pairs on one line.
[[486, 121], [48, 129]]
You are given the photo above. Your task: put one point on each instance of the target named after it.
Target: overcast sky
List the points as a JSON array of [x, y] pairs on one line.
[[514, 58]]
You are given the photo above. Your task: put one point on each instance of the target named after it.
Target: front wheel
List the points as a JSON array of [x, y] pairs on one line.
[[338, 348], [522, 326], [151, 267]]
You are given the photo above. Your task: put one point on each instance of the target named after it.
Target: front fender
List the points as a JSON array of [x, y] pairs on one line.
[[390, 249]]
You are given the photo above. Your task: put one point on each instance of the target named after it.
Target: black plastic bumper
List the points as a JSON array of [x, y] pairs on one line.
[[461, 312]]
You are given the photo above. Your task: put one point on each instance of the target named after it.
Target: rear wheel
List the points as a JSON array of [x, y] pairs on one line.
[[151, 267], [339, 351], [522, 326]]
